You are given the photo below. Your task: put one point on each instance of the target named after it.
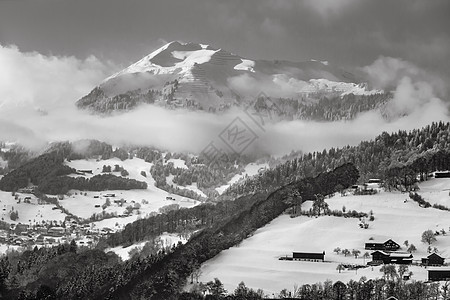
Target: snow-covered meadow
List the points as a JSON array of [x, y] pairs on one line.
[[255, 261]]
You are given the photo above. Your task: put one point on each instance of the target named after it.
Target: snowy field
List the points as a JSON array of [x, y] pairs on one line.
[[148, 200], [255, 260], [167, 239], [29, 213]]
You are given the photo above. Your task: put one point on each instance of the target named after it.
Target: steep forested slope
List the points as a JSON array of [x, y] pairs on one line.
[[398, 158]]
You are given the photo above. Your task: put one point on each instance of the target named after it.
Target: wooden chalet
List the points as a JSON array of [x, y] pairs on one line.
[[442, 174], [439, 274], [392, 257], [56, 231], [374, 180], [433, 260], [388, 245], [85, 171], [310, 256]]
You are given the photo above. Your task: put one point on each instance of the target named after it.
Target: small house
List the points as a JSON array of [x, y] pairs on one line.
[[40, 240], [85, 171], [433, 260], [439, 274], [392, 258], [21, 228], [309, 256], [388, 245], [374, 180], [442, 174], [56, 231]]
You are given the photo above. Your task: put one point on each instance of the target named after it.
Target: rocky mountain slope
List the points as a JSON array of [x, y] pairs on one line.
[[202, 77]]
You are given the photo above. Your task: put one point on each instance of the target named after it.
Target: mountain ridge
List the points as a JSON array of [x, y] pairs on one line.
[[202, 77]]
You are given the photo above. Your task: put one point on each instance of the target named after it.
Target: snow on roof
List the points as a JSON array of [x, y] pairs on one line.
[[379, 240], [401, 254], [439, 269]]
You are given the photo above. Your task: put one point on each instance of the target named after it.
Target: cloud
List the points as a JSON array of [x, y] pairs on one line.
[[39, 81], [278, 85], [388, 72], [32, 80], [330, 8]]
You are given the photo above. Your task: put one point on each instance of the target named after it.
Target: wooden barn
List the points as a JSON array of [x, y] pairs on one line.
[[433, 260], [442, 174], [310, 256], [392, 258], [439, 274], [388, 245]]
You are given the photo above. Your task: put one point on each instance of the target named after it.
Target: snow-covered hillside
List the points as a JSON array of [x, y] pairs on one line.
[[255, 260], [83, 204], [250, 170]]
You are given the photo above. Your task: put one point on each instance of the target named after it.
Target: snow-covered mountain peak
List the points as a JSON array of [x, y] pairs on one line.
[[200, 76], [174, 57]]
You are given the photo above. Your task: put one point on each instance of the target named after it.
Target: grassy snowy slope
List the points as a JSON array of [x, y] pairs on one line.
[[255, 260], [150, 199]]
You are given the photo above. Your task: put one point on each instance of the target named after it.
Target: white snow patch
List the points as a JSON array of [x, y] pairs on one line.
[[178, 163], [245, 65], [193, 57], [168, 240], [250, 170]]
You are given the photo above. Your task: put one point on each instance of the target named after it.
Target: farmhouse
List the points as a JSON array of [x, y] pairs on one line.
[[27, 190], [388, 245], [439, 274], [374, 180], [56, 231], [311, 256], [392, 258], [85, 171], [442, 174], [433, 260]]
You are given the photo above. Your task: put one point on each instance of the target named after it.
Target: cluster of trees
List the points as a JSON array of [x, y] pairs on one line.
[[17, 270], [14, 156], [207, 175], [14, 214], [62, 184], [391, 284], [98, 101], [117, 168], [47, 172], [35, 171], [331, 108], [398, 159], [423, 203]]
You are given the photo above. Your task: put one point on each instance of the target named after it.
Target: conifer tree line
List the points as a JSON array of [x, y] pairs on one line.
[[397, 158]]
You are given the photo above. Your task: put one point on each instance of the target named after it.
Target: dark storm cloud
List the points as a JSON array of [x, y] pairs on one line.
[[346, 32]]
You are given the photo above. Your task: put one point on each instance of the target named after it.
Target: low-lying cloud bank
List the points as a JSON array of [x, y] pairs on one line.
[[37, 96]]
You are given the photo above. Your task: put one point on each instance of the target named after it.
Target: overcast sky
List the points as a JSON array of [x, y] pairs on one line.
[[346, 32], [53, 52]]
